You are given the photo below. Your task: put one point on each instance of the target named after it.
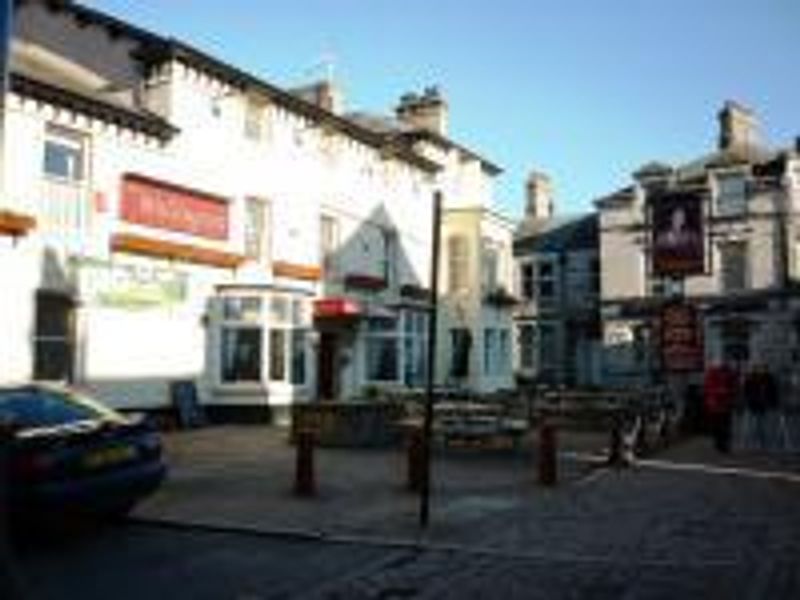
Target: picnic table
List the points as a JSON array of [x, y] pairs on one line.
[[469, 423]]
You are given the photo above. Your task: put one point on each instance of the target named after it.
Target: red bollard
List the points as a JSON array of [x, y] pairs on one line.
[[548, 471], [415, 460], [305, 483]]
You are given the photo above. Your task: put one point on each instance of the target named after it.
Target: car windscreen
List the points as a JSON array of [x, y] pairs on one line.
[[27, 408]]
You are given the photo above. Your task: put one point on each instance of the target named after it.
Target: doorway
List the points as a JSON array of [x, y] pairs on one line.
[[54, 335], [327, 368]]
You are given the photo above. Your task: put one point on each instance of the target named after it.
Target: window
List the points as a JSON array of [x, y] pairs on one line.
[[735, 336], [382, 354], [31, 407], [256, 229], [241, 344], [527, 281], [548, 352], [287, 341], [545, 281], [490, 263], [246, 325], [527, 346], [254, 126], [734, 267], [64, 155], [329, 241], [495, 351], [458, 263], [415, 349], [731, 194], [389, 256]]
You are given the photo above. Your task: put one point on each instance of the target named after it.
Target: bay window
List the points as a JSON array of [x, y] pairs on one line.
[[241, 341]]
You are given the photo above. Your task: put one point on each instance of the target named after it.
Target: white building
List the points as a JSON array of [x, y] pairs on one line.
[[167, 217]]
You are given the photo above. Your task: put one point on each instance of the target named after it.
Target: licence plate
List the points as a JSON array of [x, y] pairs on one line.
[[109, 456]]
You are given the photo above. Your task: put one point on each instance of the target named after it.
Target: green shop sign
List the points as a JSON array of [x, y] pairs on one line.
[[129, 286]]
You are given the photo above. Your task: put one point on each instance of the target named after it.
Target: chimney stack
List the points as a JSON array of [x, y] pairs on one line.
[[324, 94], [428, 111], [539, 197], [738, 127]]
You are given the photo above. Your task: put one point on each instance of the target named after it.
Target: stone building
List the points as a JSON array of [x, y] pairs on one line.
[[558, 271], [746, 296]]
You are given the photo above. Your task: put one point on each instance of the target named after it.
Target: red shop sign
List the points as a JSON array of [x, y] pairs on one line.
[[166, 206]]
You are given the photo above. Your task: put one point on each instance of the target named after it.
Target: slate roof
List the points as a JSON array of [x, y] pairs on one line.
[[559, 234]]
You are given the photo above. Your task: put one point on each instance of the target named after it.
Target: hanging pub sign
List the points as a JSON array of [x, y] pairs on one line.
[[678, 247], [681, 338]]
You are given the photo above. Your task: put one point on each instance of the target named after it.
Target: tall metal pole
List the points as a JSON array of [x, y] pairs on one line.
[[425, 493]]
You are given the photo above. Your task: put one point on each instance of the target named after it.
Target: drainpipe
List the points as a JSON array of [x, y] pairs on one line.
[[6, 15]]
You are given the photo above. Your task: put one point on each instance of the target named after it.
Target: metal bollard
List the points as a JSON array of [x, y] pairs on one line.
[[615, 444], [548, 470], [415, 470], [305, 483]]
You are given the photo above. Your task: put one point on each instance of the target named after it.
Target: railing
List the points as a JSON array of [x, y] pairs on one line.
[[63, 208]]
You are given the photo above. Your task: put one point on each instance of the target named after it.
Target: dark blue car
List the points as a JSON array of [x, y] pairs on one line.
[[68, 453]]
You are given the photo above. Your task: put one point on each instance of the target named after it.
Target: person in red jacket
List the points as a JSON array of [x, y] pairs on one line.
[[719, 392]]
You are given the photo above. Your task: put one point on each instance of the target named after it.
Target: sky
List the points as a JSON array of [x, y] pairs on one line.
[[584, 90]]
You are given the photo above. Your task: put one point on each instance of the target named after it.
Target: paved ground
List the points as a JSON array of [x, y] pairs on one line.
[[243, 477], [685, 524]]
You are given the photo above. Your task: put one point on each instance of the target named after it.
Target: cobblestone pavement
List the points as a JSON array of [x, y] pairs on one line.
[[686, 524], [140, 561]]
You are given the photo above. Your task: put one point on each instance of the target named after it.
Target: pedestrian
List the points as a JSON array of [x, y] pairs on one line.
[[719, 393], [761, 401]]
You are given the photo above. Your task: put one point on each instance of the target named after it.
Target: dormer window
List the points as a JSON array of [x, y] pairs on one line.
[[731, 194]]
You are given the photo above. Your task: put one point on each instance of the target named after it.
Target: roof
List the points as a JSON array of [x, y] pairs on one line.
[[156, 49], [137, 120], [395, 128], [695, 172], [559, 234], [34, 76]]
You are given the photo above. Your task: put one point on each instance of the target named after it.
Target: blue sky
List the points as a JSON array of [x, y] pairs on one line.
[[586, 90]]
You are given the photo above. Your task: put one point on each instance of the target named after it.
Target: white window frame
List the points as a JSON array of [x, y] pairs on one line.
[[237, 323], [291, 324], [731, 202], [258, 236], [723, 268], [328, 242], [76, 141]]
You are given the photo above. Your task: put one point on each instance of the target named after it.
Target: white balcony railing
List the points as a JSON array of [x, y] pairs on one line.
[[63, 208]]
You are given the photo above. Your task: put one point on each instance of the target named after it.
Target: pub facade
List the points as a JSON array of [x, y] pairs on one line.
[[700, 263], [168, 217]]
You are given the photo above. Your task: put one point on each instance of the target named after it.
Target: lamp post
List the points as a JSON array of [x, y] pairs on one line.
[[425, 491]]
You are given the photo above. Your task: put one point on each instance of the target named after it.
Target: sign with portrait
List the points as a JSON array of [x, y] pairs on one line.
[[678, 242], [681, 338]]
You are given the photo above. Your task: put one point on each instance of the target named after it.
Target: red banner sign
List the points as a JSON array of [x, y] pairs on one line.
[[681, 339], [166, 206]]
